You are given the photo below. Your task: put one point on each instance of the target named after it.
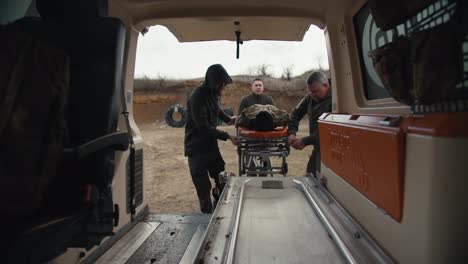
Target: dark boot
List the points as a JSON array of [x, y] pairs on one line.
[[216, 194], [206, 206]]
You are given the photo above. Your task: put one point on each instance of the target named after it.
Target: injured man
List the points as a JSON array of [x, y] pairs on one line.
[[262, 118], [263, 133]]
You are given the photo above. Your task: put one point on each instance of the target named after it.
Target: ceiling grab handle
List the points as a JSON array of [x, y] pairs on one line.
[[238, 38], [239, 42]]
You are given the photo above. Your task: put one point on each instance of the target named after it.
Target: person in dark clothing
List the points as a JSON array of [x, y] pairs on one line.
[[314, 104], [201, 135], [256, 97]]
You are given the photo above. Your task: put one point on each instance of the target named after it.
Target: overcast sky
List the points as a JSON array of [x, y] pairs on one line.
[[160, 54]]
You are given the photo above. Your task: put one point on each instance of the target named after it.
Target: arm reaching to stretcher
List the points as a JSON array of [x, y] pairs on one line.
[[234, 140], [297, 114], [230, 120], [293, 126], [297, 143], [200, 118], [294, 118], [301, 143]]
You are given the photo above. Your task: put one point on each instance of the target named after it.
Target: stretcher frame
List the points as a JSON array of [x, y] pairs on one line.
[[255, 152]]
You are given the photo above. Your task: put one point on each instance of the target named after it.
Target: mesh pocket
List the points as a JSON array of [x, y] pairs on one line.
[[437, 61], [389, 14]]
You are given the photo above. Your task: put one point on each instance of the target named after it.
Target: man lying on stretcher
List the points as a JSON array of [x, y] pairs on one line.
[[262, 118], [265, 127]]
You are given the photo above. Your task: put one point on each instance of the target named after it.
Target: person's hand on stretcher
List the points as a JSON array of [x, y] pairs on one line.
[[234, 140], [233, 120], [296, 143]]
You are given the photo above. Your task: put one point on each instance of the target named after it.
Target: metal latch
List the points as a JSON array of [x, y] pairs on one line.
[[390, 121]]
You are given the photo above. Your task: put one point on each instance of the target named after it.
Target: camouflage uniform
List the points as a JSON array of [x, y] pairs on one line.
[[248, 116]]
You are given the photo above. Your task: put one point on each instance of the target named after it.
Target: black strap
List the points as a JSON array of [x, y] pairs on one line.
[[126, 114]]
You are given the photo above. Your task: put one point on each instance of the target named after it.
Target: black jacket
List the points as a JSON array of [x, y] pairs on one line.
[[314, 109], [252, 99], [203, 112]]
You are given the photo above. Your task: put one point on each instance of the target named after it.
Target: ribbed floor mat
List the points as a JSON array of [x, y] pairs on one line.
[[272, 184]]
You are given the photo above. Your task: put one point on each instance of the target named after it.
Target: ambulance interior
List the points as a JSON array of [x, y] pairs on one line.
[[393, 166]]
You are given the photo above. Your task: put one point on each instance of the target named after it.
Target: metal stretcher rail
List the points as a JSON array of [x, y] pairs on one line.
[[331, 230], [235, 228], [339, 243], [293, 220]]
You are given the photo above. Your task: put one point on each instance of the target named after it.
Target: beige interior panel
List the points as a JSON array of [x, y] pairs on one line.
[[433, 228]]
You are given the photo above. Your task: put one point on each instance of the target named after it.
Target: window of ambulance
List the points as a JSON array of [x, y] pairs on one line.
[[369, 38]]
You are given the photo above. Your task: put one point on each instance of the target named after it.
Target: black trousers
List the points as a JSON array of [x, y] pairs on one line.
[[202, 167], [314, 162]]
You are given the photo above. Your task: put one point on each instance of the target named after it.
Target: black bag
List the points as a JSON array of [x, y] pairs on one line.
[[34, 82]]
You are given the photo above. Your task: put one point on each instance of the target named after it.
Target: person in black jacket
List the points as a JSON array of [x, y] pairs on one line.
[[201, 135], [314, 104], [256, 97]]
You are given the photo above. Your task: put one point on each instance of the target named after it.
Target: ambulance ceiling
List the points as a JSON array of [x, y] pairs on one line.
[[201, 20]]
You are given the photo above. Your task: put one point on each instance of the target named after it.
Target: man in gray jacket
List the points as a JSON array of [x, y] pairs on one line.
[[314, 104]]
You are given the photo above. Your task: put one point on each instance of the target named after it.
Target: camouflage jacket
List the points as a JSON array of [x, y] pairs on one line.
[[249, 114]]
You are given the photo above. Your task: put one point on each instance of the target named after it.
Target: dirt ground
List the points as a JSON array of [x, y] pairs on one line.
[[168, 185]]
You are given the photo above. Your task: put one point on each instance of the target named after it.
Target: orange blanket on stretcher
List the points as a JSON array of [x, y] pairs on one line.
[[276, 133]]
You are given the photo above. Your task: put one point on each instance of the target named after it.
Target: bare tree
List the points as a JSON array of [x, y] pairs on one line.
[[287, 72], [263, 70], [161, 80], [142, 84]]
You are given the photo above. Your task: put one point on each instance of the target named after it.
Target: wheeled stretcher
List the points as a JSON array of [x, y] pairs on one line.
[[257, 147]]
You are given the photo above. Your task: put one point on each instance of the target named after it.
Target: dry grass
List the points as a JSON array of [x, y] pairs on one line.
[[272, 84], [153, 98]]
